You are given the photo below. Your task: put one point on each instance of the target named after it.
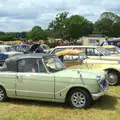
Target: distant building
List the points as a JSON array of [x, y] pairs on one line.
[[93, 39]]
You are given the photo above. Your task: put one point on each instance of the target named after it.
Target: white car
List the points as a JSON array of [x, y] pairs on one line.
[[93, 52], [8, 50]]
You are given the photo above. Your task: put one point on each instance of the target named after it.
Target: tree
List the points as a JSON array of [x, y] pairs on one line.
[[59, 25], [110, 16], [36, 33], [108, 24], [79, 26], [103, 26], [116, 29], [70, 28], [2, 33]]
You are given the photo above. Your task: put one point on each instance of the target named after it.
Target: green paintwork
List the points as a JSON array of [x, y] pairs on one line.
[[50, 86]]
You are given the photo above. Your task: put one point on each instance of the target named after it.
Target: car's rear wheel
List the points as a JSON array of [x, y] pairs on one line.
[[2, 94], [79, 98], [113, 78]]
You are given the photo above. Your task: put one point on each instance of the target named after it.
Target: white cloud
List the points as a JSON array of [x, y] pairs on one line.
[[22, 15]]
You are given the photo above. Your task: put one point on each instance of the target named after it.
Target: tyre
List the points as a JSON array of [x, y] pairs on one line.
[[79, 98], [2, 94], [113, 78]]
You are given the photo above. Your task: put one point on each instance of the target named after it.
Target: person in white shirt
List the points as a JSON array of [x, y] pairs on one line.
[[105, 43]]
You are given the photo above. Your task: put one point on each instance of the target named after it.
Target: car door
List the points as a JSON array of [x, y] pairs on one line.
[[34, 82], [97, 64]]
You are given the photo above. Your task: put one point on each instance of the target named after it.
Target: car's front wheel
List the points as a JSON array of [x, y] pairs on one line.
[[2, 94], [79, 98], [113, 78]]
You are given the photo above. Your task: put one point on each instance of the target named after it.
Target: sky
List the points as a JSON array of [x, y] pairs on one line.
[[22, 15]]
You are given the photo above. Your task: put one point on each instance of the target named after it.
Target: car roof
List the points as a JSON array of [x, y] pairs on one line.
[[2, 46], [12, 61], [77, 46], [30, 55]]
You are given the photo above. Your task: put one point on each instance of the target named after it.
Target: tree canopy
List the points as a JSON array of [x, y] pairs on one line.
[[69, 28]]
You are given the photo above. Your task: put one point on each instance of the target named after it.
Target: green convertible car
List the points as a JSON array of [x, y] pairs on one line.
[[44, 77]]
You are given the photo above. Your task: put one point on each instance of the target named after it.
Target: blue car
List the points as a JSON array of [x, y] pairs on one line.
[[114, 42], [2, 58]]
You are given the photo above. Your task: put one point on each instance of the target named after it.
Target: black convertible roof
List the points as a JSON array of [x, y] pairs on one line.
[[30, 55], [12, 61]]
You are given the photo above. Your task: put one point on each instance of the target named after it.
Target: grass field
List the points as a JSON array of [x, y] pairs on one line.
[[106, 108]]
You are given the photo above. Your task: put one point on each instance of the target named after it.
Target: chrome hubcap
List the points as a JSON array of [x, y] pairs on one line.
[[78, 99], [112, 78], [1, 94]]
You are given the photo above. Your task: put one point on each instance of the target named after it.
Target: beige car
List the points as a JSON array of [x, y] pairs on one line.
[[76, 59], [93, 52]]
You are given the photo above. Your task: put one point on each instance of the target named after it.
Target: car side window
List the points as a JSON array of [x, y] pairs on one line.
[[97, 53], [44, 47], [71, 57], [21, 64], [41, 67], [90, 52], [28, 65]]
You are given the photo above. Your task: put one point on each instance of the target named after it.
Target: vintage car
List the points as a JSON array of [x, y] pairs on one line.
[[21, 47], [115, 42], [77, 59], [44, 77], [2, 58], [94, 52], [112, 49], [9, 50], [46, 48], [37, 48]]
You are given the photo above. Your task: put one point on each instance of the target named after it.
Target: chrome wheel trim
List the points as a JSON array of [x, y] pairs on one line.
[[112, 78], [1, 94], [78, 99]]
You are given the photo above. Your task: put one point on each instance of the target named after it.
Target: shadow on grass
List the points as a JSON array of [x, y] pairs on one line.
[[35, 103], [106, 102]]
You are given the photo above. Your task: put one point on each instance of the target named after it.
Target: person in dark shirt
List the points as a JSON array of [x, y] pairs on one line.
[[39, 50]]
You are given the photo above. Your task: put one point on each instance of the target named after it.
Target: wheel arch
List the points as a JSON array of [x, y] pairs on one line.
[[2, 86], [76, 87], [111, 69], [117, 72]]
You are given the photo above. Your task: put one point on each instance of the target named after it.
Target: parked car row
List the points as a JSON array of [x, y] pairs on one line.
[[11, 50], [42, 76], [95, 57], [76, 75]]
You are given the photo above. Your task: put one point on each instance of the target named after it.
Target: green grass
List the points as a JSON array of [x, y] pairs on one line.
[[106, 108]]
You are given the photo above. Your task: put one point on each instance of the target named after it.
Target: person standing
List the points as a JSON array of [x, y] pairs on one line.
[[97, 43], [106, 42]]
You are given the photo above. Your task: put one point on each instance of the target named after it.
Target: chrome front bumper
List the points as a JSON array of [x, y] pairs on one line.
[[95, 96]]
